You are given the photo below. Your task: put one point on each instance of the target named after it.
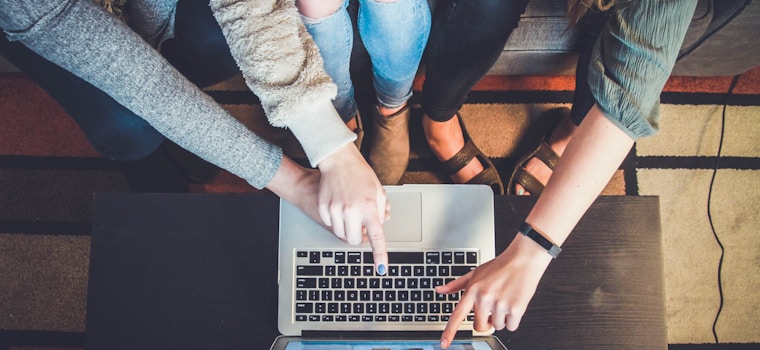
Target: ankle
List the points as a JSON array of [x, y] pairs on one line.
[[441, 132], [389, 111], [561, 136]]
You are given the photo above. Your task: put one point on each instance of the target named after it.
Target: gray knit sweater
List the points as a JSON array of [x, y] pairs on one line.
[[279, 61]]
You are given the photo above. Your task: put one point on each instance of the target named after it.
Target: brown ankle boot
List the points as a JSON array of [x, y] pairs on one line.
[[389, 147]]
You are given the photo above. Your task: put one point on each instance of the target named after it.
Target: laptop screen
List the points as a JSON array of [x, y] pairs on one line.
[[386, 345]]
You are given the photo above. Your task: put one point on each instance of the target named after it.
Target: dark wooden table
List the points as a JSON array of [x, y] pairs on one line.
[[199, 271]]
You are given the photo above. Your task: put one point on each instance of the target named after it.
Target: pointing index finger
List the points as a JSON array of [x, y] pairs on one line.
[[459, 314], [377, 242]]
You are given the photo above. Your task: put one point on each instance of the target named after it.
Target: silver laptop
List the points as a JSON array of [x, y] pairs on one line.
[[328, 287]]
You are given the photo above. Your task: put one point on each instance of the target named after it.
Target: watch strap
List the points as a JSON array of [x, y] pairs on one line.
[[528, 231]]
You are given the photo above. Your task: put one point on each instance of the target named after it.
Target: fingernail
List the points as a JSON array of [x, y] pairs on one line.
[[381, 269], [443, 343], [520, 191]]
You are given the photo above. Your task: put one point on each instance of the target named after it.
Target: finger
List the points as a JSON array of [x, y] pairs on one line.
[[457, 316], [383, 206], [324, 214], [513, 321], [336, 215], [353, 225], [377, 242], [498, 317], [482, 321], [455, 285]]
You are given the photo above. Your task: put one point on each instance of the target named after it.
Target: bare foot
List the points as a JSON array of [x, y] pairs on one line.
[[445, 140], [558, 141]]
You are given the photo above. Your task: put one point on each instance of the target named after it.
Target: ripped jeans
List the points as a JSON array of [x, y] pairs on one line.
[[394, 33]]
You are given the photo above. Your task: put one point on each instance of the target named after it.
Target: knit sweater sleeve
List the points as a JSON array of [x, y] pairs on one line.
[[283, 67], [633, 58], [82, 38]]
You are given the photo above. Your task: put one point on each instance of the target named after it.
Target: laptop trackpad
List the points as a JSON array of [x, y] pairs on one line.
[[405, 224]]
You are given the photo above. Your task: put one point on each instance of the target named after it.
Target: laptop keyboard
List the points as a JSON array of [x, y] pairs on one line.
[[342, 286]]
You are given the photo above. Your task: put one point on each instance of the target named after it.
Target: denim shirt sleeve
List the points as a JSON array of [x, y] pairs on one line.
[[632, 60]]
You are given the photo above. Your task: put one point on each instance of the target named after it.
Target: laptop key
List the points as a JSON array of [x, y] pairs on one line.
[[320, 308], [304, 308], [309, 270], [354, 258], [306, 283], [406, 258], [461, 270]]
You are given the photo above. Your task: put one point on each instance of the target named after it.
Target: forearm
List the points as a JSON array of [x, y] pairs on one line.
[[283, 67], [591, 158]]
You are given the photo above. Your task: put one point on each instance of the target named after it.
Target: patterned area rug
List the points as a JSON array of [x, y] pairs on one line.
[[48, 173]]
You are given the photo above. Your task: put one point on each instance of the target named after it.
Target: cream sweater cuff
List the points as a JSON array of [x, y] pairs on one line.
[[320, 130]]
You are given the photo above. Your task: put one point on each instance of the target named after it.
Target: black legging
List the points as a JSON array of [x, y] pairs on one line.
[[466, 39]]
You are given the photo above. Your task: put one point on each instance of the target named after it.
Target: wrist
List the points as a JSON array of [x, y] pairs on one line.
[[529, 251], [540, 239], [339, 158], [288, 179]]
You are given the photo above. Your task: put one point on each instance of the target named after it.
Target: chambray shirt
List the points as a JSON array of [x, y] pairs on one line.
[[632, 60]]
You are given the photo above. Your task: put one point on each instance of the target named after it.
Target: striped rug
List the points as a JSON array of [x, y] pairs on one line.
[[48, 173]]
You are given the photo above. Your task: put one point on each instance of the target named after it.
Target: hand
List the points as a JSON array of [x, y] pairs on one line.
[[352, 200], [499, 290]]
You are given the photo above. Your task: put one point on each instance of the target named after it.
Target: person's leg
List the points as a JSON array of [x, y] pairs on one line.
[[112, 129], [589, 28], [330, 26], [395, 34], [198, 49], [461, 28]]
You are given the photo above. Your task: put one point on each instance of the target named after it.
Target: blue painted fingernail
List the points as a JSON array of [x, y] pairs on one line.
[[381, 269], [520, 191]]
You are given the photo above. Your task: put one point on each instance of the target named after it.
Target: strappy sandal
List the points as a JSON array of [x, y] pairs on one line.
[[541, 151], [489, 176]]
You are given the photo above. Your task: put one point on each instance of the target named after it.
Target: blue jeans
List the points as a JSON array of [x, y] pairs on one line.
[[466, 39], [198, 50], [394, 34]]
